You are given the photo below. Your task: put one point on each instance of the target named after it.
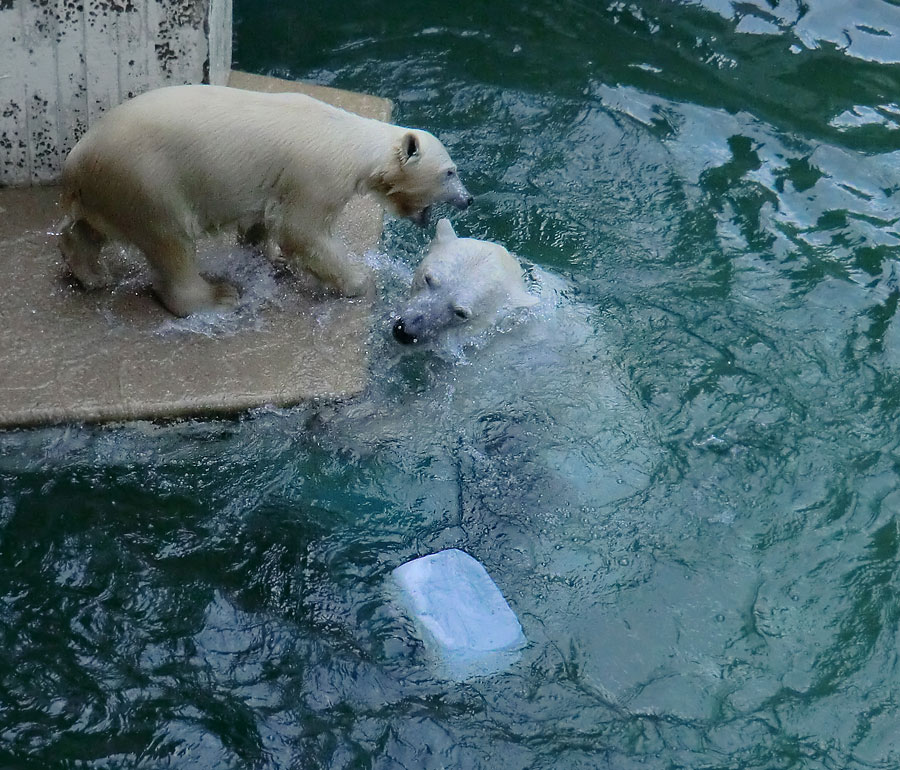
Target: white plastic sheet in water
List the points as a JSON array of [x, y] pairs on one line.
[[463, 619]]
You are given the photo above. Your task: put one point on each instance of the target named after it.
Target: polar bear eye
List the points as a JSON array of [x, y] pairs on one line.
[[461, 312], [431, 282], [451, 172]]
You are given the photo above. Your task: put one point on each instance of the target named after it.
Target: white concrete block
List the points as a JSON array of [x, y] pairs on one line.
[[459, 613], [64, 63]]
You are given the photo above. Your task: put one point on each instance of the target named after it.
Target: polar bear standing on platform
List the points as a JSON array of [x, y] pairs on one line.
[[162, 169], [461, 281]]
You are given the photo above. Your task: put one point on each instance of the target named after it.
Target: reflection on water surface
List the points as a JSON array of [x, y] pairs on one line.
[[682, 472]]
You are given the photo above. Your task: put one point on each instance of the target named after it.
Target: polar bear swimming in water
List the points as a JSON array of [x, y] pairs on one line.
[[167, 166], [461, 281]]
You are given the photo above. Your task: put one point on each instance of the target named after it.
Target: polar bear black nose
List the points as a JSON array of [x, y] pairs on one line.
[[402, 336]]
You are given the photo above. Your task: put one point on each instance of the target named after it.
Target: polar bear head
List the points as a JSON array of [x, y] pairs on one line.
[[419, 174], [460, 281]]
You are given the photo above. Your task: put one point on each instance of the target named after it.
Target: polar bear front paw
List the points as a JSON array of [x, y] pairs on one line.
[[360, 284], [198, 296], [225, 296]]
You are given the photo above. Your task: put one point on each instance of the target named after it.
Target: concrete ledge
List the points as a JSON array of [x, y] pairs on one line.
[[362, 104], [67, 355]]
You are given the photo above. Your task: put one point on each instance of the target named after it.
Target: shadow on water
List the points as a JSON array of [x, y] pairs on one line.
[[682, 470]]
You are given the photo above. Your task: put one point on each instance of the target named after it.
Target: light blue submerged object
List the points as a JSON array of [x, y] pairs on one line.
[[460, 614]]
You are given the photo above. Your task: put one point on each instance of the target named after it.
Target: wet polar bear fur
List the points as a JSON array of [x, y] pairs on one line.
[[160, 170], [461, 281]]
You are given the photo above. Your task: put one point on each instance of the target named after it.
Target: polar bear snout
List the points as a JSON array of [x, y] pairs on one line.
[[457, 195], [402, 335]]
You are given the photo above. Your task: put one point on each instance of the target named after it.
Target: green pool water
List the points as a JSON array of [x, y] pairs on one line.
[[682, 471]]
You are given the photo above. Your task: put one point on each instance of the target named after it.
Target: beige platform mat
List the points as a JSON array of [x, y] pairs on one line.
[[67, 355]]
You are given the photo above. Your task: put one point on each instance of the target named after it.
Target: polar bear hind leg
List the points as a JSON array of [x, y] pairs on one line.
[[81, 245]]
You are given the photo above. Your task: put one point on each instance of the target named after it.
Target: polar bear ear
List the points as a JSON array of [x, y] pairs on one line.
[[409, 147], [444, 231]]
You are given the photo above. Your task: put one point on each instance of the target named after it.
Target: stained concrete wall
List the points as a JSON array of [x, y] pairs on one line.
[[63, 63]]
